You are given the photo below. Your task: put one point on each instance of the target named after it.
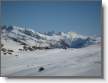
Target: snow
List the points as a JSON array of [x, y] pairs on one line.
[[57, 62], [30, 37], [81, 58]]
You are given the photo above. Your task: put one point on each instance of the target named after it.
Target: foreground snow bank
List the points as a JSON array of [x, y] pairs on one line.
[[56, 62]]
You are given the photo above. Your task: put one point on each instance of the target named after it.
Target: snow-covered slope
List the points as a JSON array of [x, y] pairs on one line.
[[29, 37], [56, 62], [25, 52]]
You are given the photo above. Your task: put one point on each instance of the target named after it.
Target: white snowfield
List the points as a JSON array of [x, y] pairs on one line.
[[29, 53], [56, 62]]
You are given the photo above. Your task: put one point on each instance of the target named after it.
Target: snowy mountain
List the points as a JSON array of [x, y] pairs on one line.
[[25, 52], [29, 37]]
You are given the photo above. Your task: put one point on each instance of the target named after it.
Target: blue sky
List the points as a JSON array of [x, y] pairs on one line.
[[80, 17]]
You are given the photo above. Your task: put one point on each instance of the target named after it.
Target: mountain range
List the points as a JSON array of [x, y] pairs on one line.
[[29, 37]]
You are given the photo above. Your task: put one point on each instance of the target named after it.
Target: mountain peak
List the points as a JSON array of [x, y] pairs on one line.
[[52, 39]]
